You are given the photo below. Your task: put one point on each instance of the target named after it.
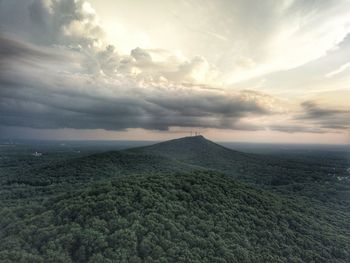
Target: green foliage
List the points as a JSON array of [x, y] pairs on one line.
[[188, 200], [199, 217]]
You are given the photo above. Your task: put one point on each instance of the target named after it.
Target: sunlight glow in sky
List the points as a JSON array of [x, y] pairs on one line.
[[242, 70]]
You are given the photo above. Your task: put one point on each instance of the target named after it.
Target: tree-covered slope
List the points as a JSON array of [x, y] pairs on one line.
[[196, 217], [197, 150], [97, 166], [300, 176], [185, 200], [292, 176]]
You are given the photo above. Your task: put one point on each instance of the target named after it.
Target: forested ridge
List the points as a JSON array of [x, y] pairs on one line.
[[177, 201]]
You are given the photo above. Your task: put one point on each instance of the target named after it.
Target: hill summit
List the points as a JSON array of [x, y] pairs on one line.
[[175, 201], [182, 147], [199, 151]]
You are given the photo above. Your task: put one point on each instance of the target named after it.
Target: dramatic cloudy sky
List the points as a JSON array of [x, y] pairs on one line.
[[239, 70]]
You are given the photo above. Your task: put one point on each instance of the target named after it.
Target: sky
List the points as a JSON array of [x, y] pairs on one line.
[[233, 70]]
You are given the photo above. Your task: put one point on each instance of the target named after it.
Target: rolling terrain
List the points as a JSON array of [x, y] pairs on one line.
[[185, 200]]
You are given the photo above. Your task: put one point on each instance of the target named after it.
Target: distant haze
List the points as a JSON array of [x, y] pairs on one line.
[[252, 71]]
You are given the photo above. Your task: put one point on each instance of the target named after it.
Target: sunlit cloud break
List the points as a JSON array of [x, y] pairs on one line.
[[65, 65]]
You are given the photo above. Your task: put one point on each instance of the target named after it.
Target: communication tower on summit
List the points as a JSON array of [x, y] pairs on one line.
[[194, 133]]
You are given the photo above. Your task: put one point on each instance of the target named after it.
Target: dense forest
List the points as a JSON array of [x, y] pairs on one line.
[[186, 200]]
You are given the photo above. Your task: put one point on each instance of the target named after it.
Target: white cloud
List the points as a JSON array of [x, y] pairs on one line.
[[302, 34], [35, 94], [338, 70], [97, 85]]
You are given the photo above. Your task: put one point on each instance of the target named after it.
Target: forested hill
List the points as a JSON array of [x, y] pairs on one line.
[[197, 150], [180, 155], [185, 200], [286, 175], [301, 177], [187, 148], [194, 217]]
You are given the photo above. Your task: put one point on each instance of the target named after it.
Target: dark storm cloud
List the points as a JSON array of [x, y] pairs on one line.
[[50, 22], [55, 75], [10, 48], [33, 106], [296, 128], [314, 111], [46, 98], [204, 105], [15, 50], [315, 119], [58, 71], [327, 118]]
